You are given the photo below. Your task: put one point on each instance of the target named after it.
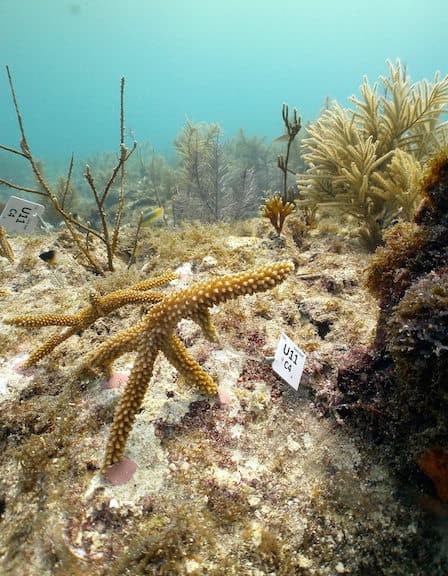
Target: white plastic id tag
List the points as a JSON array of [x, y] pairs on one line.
[[289, 361], [21, 216]]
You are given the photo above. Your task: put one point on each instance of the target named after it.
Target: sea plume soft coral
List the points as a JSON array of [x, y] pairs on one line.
[[367, 161]]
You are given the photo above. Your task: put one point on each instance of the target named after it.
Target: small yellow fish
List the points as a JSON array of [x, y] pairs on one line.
[[151, 215]]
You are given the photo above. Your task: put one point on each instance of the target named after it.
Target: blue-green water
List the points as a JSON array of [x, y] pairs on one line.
[[233, 62]]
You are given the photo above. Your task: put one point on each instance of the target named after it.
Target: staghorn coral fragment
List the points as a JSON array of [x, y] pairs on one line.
[[154, 334], [99, 306]]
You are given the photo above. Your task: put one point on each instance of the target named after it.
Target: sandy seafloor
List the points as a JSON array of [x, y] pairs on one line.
[[264, 483]]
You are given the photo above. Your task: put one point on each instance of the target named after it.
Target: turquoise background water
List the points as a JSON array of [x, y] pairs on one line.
[[233, 62]]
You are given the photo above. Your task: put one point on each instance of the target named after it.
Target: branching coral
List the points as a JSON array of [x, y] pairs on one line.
[[367, 161], [99, 306], [278, 206], [154, 334], [292, 128]]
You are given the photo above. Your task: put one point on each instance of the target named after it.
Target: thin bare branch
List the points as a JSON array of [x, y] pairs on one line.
[[67, 183], [135, 242], [13, 151], [21, 188], [23, 143], [74, 225]]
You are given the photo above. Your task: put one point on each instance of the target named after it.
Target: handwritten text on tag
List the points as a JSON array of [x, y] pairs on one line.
[[289, 361], [21, 215]]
